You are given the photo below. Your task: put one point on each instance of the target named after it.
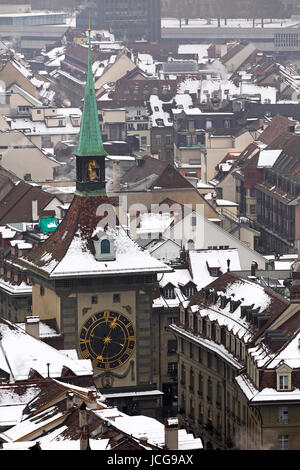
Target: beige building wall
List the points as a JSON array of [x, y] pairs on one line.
[[28, 161], [217, 148], [272, 428], [155, 197], [45, 306], [187, 155], [122, 65], [236, 61], [111, 116]]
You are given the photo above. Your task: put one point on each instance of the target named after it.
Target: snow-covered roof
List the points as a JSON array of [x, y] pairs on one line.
[[21, 353], [268, 158], [267, 394], [200, 260], [226, 88], [152, 431], [30, 127], [79, 261]]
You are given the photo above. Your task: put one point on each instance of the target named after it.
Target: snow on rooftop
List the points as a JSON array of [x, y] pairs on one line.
[[230, 23], [214, 258], [144, 427], [40, 127], [153, 223], [79, 261], [268, 158], [227, 88], [158, 112], [21, 353], [199, 49], [290, 355]]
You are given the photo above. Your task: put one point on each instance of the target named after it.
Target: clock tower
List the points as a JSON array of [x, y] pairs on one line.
[[97, 282]]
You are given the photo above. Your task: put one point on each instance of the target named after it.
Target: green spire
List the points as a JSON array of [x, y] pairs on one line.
[[90, 140]]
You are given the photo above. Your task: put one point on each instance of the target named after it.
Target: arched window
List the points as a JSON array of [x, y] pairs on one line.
[[105, 246]]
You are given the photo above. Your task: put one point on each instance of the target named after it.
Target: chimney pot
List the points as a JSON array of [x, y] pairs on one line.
[[32, 326], [171, 433]]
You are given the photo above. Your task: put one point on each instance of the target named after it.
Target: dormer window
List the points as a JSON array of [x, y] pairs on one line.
[[169, 293], [104, 248], [200, 325], [284, 378], [189, 290], [208, 328]]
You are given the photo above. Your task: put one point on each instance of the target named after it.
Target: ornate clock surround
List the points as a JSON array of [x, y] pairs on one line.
[[108, 339]]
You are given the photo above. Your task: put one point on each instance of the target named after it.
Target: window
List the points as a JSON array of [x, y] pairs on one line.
[[200, 325], [182, 374], [214, 272], [168, 139], [191, 379], [283, 382], [172, 369], [169, 293], [172, 320], [218, 334], [94, 299], [158, 139], [199, 355], [172, 346], [143, 140], [191, 321], [200, 385], [191, 351], [208, 329], [283, 440], [219, 394], [105, 246], [208, 124], [189, 291], [42, 291], [116, 298], [283, 415], [209, 389], [209, 360]]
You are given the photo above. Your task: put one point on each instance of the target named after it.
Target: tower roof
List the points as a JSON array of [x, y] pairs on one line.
[[90, 140]]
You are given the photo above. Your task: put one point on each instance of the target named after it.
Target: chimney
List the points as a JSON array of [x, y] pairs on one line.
[[83, 426], [92, 396], [228, 265], [295, 287], [116, 176], [254, 267], [70, 400], [35, 216], [32, 326], [171, 433]]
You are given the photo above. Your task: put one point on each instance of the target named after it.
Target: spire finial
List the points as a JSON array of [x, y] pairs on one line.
[[89, 29]]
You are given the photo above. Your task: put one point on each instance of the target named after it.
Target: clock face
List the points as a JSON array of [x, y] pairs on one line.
[[108, 339]]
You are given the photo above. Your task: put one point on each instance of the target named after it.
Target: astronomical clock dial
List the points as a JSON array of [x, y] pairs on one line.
[[108, 339]]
